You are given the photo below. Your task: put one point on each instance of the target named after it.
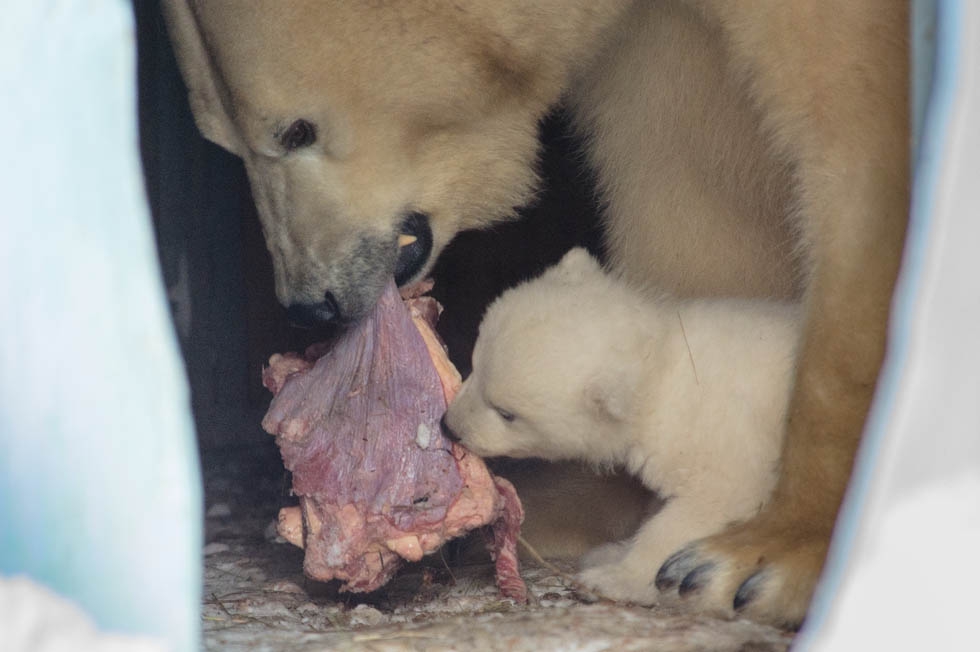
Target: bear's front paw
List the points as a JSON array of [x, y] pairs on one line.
[[763, 573], [621, 581]]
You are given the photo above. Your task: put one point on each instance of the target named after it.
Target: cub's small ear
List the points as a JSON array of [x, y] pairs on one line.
[[577, 264], [607, 398]]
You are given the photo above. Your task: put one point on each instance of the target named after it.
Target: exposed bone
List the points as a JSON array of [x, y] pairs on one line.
[[290, 526]]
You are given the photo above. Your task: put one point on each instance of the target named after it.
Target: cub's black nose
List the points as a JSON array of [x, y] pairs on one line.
[[446, 430], [415, 247], [308, 315]]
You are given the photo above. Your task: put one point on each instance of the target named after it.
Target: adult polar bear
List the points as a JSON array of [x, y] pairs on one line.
[[742, 148]]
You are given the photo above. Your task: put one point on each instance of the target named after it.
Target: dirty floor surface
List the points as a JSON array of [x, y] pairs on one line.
[[256, 597]]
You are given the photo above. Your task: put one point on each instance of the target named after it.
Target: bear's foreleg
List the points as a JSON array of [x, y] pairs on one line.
[[833, 80]]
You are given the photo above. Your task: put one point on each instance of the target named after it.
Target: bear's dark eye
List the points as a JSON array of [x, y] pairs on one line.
[[301, 133], [504, 414]]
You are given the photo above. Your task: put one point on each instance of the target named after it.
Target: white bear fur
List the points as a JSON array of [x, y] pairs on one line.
[[690, 396]]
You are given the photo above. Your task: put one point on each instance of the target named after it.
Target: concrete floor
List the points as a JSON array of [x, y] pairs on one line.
[[256, 597]]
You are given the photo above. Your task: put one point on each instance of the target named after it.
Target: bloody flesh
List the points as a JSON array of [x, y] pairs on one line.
[[377, 480]]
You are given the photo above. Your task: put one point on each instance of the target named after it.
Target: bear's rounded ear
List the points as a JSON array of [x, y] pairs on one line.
[[197, 68], [578, 258], [607, 399], [577, 264]]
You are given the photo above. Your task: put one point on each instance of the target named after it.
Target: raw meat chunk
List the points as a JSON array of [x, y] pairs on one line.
[[378, 482]]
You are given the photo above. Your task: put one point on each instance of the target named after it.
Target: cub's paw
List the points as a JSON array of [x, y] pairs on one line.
[[761, 572], [608, 553], [621, 581]]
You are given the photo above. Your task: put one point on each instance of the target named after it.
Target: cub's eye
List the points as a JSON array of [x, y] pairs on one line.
[[301, 133], [504, 414]]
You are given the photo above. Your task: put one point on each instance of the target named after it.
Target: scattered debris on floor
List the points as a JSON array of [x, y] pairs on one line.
[[256, 597]]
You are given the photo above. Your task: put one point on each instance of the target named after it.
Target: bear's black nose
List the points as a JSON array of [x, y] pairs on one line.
[[308, 315], [415, 247]]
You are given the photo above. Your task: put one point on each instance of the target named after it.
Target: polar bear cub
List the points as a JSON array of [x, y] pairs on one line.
[[689, 396]]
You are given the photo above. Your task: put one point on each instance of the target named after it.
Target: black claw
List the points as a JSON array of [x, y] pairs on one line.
[[696, 578], [663, 582], [674, 569], [749, 590]]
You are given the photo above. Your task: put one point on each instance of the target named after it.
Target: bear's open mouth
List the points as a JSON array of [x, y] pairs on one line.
[[415, 247]]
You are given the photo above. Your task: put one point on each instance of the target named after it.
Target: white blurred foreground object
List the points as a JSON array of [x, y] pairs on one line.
[[100, 496], [35, 619], [903, 571]]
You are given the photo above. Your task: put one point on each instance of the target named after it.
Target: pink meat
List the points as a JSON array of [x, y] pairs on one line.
[[378, 482]]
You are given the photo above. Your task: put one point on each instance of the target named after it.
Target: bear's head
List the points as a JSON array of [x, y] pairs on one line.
[[373, 132], [555, 368]]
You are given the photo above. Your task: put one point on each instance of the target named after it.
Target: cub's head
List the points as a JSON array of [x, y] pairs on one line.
[[373, 132], [554, 368]]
